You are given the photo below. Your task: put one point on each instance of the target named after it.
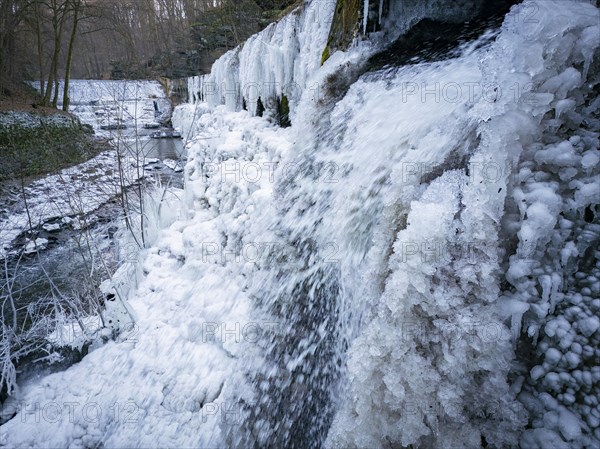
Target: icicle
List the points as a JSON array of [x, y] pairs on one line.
[[365, 16], [380, 11]]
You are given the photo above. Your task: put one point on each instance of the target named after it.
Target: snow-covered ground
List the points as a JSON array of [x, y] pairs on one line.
[[75, 192], [400, 267], [69, 195]]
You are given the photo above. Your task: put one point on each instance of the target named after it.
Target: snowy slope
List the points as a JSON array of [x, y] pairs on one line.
[[388, 271], [149, 389]]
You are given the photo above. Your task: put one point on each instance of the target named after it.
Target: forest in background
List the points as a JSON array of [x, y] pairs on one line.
[[50, 40]]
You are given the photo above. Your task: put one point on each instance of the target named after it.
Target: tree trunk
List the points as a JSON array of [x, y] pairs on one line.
[[56, 89], [58, 21], [40, 47], [66, 99], [7, 44]]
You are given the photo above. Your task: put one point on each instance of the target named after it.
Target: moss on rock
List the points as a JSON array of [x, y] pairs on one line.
[[34, 144], [284, 112], [344, 27]]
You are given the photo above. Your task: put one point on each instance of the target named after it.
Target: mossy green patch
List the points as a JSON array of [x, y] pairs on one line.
[[344, 27], [326, 54], [38, 145], [284, 112]]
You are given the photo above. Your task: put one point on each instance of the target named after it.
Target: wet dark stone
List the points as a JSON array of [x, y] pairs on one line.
[[434, 40], [588, 215]]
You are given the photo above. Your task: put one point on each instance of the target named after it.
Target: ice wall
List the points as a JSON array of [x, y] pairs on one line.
[[527, 173], [403, 14], [274, 63], [426, 171], [279, 61]]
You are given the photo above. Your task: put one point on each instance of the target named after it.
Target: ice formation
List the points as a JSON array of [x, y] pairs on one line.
[[274, 63], [414, 263]]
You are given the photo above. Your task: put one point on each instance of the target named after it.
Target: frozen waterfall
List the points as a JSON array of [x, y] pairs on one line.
[[412, 263]]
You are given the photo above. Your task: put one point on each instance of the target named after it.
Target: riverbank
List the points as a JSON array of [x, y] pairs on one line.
[[67, 230], [54, 164], [34, 143], [36, 140]]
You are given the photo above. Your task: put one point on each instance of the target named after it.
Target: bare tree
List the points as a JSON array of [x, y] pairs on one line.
[[77, 6], [12, 14]]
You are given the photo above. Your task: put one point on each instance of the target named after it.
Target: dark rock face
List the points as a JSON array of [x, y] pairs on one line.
[[435, 34], [432, 39]]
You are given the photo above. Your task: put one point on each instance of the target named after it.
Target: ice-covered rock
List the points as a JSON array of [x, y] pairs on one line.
[[36, 245]]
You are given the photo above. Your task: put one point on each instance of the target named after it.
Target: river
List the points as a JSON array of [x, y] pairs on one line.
[[64, 233]]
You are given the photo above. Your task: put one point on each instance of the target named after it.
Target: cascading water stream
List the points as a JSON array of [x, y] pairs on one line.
[[339, 215], [434, 146]]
